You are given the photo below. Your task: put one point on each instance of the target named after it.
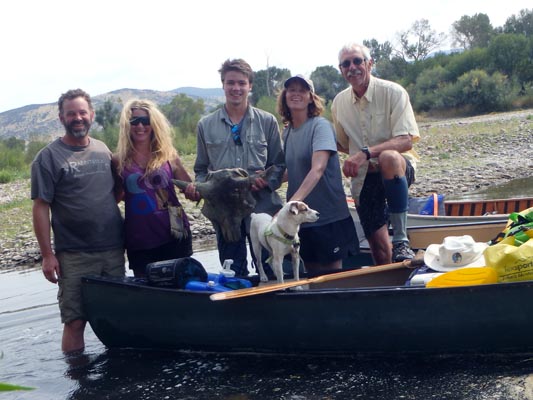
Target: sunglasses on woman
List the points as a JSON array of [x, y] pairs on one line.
[[140, 120]]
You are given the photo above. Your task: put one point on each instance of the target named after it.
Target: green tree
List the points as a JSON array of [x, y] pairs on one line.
[[183, 112], [460, 63], [379, 51], [510, 54], [11, 158], [419, 41], [269, 104], [34, 146], [469, 32], [426, 93], [267, 82], [107, 116], [394, 69], [184, 144], [328, 81], [521, 23], [13, 143]]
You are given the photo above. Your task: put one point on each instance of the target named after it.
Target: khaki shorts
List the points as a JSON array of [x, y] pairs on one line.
[[75, 265]]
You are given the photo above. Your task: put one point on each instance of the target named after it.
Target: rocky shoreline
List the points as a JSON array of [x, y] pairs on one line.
[[457, 157]]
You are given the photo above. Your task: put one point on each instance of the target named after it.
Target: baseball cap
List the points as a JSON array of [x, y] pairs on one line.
[[307, 82]]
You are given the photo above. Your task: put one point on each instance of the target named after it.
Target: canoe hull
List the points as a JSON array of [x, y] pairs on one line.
[[482, 207], [482, 319]]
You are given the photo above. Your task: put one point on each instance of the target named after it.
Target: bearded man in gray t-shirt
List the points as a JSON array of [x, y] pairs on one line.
[[72, 189]]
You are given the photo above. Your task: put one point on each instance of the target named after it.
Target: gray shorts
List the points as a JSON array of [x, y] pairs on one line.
[[75, 265]]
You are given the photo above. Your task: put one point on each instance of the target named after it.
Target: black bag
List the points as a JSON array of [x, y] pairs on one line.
[[175, 273]]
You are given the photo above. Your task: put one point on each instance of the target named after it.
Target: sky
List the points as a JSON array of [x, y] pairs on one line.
[[49, 47]]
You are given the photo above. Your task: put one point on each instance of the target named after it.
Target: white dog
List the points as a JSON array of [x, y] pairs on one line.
[[279, 235]]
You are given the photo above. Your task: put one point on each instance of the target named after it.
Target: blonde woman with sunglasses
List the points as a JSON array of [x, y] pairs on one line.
[[156, 226]]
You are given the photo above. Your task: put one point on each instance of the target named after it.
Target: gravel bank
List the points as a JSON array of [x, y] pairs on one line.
[[457, 156]]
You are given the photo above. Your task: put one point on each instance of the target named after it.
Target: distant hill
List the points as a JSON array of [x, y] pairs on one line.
[[41, 121]]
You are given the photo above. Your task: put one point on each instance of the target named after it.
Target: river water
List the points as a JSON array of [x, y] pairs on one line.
[[30, 336], [30, 355], [520, 187]]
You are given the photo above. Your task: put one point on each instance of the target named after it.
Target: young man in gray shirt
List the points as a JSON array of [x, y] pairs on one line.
[[240, 136]]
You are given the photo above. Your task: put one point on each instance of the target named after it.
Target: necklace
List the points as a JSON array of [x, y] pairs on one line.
[[141, 159]]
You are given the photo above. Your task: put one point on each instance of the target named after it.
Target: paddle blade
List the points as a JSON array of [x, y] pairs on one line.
[[465, 277], [257, 290]]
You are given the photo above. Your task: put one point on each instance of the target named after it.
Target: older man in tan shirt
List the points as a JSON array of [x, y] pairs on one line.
[[376, 126]]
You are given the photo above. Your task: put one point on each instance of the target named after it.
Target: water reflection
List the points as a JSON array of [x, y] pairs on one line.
[[158, 375], [30, 336]]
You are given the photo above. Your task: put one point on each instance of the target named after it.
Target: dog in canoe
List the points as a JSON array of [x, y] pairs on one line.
[[279, 235]]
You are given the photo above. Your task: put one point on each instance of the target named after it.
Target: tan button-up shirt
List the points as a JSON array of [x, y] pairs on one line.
[[381, 114]]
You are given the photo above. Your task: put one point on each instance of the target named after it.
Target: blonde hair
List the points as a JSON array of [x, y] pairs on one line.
[[161, 147]]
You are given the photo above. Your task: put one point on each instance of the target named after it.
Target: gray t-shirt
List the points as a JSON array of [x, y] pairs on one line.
[[328, 196], [78, 184]]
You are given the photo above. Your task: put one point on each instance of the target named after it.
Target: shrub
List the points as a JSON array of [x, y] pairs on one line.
[[6, 176], [185, 144], [426, 93], [478, 92]]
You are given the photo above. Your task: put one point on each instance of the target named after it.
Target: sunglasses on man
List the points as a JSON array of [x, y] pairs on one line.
[[140, 120], [356, 61]]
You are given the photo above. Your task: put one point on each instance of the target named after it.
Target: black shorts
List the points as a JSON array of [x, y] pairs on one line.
[[372, 208], [328, 243], [138, 260]]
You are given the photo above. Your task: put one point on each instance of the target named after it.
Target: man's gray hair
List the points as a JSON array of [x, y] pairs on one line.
[[349, 47]]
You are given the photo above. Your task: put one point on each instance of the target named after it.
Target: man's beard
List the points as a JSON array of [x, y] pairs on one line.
[[74, 130]]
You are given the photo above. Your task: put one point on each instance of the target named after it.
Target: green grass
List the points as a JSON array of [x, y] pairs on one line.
[[10, 175], [15, 220], [6, 387]]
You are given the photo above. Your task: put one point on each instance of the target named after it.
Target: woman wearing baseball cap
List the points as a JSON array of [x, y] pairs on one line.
[[314, 176]]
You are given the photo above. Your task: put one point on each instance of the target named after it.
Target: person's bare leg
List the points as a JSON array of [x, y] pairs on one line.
[[380, 246], [318, 269], [73, 336]]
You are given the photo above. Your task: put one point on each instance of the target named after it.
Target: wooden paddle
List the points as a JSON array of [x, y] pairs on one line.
[[322, 278]]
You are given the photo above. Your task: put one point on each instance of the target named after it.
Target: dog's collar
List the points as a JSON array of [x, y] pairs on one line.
[[284, 234], [285, 238]]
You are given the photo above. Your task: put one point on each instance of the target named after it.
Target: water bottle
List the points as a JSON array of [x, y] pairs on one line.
[[226, 269]]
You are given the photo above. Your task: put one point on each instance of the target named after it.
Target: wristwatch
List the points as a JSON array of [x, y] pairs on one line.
[[367, 152]]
